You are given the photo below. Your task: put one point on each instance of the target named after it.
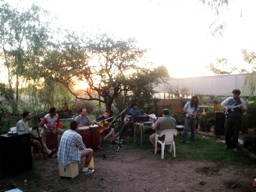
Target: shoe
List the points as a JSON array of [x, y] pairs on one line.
[[52, 152], [113, 142], [185, 142], [100, 147], [88, 171]]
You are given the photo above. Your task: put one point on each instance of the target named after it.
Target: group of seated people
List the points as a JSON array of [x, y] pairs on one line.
[[71, 147]]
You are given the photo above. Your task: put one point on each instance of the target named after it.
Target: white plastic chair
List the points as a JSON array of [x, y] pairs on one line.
[[168, 140]]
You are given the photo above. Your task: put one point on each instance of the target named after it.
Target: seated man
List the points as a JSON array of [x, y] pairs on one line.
[[104, 122], [82, 119], [50, 123], [72, 148], [133, 111], [22, 126], [162, 123]]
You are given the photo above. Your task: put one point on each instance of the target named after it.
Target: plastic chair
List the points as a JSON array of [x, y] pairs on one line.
[[168, 135]]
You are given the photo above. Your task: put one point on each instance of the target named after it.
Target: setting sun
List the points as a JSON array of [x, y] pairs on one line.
[[81, 85]]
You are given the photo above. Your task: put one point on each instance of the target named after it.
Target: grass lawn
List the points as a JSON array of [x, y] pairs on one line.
[[202, 149]]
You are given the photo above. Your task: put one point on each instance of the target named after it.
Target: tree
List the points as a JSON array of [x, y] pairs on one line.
[[109, 67], [250, 80], [222, 66], [22, 39]]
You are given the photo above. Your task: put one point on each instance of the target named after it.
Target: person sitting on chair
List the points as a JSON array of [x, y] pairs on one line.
[[82, 119], [50, 123], [72, 148], [128, 124], [104, 122], [162, 123], [22, 126]]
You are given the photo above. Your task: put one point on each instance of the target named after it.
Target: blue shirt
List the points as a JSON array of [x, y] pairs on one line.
[[191, 109], [134, 112]]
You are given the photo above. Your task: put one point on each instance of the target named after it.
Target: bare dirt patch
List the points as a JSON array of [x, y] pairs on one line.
[[142, 171]]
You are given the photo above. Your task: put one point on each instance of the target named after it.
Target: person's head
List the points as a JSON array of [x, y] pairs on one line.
[[83, 112], [106, 113], [134, 106], [26, 115], [165, 112], [236, 93], [194, 101], [53, 111], [73, 125]]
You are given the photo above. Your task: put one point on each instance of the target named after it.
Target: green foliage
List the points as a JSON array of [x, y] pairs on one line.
[[205, 122], [7, 123], [6, 98], [22, 40]]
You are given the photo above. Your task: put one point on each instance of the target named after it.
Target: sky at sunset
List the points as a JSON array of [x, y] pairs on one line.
[[178, 33]]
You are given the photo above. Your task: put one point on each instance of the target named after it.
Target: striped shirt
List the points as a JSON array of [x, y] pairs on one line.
[[70, 147]]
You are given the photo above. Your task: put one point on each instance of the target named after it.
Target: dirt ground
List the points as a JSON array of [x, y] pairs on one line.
[[142, 171]]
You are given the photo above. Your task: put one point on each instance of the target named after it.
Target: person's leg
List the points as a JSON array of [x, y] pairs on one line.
[[235, 133], [152, 139], [113, 134], [132, 129], [192, 127], [228, 131], [185, 130], [42, 133], [108, 133], [87, 153], [101, 140], [43, 147]]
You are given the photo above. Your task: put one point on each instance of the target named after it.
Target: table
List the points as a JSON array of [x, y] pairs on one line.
[[141, 126], [15, 153]]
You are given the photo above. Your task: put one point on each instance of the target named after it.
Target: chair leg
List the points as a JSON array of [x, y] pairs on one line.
[[174, 149], [162, 151], [156, 139]]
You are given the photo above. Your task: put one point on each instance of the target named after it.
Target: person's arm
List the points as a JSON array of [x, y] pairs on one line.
[[155, 125], [42, 123], [243, 107], [185, 108], [77, 119], [19, 127], [79, 142], [224, 104]]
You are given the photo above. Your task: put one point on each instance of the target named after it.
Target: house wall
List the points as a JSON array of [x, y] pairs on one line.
[[218, 85]]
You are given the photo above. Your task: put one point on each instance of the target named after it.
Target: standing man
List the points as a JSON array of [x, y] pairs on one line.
[[162, 123], [234, 108], [22, 126], [72, 148], [82, 119], [190, 109]]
